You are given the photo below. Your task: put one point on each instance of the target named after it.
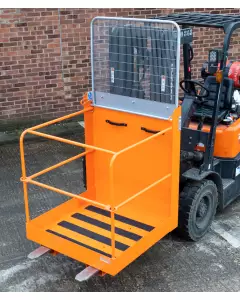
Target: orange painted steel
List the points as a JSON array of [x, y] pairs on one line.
[[59, 164], [113, 207], [58, 139], [60, 191], [63, 118], [225, 135], [25, 190], [22, 155], [115, 156], [142, 191], [115, 184]]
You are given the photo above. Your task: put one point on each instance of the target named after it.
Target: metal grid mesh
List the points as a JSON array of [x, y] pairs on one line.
[[135, 58]]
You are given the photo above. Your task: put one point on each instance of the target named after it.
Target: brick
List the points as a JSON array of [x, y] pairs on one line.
[[36, 51], [19, 84], [5, 77], [66, 12], [13, 89], [15, 39], [53, 36], [47, 13], [17, 67], [10, 44], [51, 85], [20, 24], [29, 38], [51, 77]]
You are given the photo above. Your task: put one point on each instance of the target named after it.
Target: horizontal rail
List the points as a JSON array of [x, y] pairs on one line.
[[142, 191], [124, 150], [137, 194], [51, 188], [139, 143], [56, 138], [64, 162], [60, 119]]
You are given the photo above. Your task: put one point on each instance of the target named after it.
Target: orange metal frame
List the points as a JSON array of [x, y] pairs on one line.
[[89, 149]]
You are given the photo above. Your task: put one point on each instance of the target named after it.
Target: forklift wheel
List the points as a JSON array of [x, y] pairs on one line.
[[197, 207]]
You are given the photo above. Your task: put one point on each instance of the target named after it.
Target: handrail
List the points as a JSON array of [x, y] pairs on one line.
[[27, 180], [57, 120], [137, 194], [111, 207], [51, 188], [66, 141], [64, 162], [143, 191], [127, 149], [139, 143]]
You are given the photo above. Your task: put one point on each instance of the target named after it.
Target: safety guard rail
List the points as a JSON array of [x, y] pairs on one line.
[[29, 179]]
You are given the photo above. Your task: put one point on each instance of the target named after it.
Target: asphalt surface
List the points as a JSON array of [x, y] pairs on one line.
[[213, 264]]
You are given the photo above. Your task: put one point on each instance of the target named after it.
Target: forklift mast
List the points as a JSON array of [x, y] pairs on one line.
[[229, 23]]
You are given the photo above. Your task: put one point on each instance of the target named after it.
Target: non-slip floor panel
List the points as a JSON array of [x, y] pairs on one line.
[[106, 226], [94, 234], [78, 243], [120, 218]]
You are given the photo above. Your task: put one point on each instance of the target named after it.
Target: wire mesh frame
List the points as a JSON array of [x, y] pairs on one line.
[[135, 65]]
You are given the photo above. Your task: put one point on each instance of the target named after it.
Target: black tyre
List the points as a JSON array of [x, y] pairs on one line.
[[197, 208]]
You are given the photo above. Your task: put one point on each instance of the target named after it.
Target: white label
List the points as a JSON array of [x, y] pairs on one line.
[[112, 75], [237, 171], [186, 32], [105, 259], [163, 83]]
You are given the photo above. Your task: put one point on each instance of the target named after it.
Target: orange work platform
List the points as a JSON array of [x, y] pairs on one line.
[[131, 200]]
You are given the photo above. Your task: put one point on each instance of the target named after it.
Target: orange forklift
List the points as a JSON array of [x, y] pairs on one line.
[[152, 163]]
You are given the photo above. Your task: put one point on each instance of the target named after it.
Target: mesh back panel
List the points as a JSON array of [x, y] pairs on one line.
[[136, 59]]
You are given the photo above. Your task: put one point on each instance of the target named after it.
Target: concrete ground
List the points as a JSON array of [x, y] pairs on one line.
[[213, 264]]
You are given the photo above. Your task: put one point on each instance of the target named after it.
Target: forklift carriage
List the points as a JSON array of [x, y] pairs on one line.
[[134, 161]]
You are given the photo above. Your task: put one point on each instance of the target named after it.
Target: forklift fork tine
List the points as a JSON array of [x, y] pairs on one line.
[[86, 274], [38, 252]]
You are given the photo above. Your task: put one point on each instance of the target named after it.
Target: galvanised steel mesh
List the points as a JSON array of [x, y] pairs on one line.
[[135, 58]]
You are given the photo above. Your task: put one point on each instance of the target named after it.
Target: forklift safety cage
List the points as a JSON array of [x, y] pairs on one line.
[[114, 52]]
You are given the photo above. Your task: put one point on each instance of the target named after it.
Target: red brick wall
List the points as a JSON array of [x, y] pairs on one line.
[[45, 57]]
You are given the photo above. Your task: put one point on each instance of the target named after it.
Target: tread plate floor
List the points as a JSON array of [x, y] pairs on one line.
[[90, 228]]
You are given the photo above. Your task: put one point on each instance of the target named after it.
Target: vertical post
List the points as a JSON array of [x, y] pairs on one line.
[[112, 206], [92, 58], [176, 123], [113, 232], [25, 187], [186, 62]]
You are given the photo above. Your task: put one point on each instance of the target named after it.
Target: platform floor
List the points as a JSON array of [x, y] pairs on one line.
[[89, 226], [212, 264]]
